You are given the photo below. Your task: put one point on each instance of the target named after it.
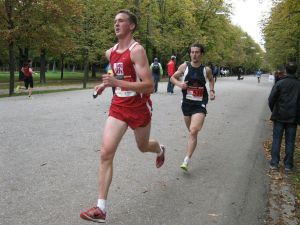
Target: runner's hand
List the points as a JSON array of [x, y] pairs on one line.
[[99, 88], [109, 80], [183, 85]]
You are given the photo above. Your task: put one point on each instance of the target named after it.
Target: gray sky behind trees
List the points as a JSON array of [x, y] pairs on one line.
[[248, 14]]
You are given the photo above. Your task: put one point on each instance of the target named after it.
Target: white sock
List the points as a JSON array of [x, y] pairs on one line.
[[161, 151], [101, 204], [186, 160]]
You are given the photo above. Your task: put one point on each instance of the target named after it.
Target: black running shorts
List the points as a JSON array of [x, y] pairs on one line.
[[190, 109], [28, 81]]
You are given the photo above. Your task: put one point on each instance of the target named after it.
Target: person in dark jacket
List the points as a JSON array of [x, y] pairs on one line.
[[284, 102], [279, 74], [157, 72]]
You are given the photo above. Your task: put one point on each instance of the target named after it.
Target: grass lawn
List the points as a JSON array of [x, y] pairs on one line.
[[52, 79], [71, 81], [50, 76]]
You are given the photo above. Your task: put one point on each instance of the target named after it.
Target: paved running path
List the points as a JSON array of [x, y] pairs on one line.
[[49, 160]]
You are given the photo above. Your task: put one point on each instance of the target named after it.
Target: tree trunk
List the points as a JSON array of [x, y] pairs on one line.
[[86, 67], [54, 66], [94, 69], [62, 57], [9, 8], [298, 56], [43, 66], [23, 57], [11, 68], [147, 35]]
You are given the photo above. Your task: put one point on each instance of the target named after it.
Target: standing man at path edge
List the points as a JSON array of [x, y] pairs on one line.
[[284, 103]]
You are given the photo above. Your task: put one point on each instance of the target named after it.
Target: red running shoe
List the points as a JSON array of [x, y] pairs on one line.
[[161, 159], [94, 214]]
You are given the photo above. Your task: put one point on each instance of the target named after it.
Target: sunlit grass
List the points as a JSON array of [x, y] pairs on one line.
[[50, 76]]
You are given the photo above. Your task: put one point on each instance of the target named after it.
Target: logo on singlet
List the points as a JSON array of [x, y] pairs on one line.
[[118, 68]]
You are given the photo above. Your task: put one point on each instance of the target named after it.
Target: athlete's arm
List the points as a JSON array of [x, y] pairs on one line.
[[142, 69], [175, 78], [107, 53], [211, 81], [100, 88]]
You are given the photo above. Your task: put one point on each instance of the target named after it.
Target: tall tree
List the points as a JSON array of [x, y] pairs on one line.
[[7, 13], [52, 27], [282, 32]]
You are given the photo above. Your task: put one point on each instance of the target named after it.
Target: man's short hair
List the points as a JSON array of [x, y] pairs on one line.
[[291, 67], [156, 59], [131, 17], [197, 45], [173, 57]]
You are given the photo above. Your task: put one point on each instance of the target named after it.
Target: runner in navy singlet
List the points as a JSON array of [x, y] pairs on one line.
[[195, 96]]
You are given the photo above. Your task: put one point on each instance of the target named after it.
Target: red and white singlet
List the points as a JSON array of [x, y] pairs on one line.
[[123, 69]]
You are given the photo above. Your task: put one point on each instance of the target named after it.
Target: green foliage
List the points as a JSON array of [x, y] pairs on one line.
[[78, 27], [95, 28], [282, 32]]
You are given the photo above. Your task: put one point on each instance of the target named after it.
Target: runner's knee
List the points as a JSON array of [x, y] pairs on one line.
[[105, 154], [142, 147], [194, 131]]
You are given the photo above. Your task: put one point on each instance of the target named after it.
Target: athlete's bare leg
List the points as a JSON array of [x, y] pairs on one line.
[[112, 134], [194, 124], [29, 91], [142, 135]]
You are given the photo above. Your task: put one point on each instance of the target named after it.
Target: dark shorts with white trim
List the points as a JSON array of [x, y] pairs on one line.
[[190, 109]]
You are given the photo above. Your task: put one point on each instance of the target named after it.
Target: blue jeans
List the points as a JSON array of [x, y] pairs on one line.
[[155, 79], [290, 136], [170, 88]]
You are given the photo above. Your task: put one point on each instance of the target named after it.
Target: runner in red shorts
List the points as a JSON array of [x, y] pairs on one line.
[[131, 106]]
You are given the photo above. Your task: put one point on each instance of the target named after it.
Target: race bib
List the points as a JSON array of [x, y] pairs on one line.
[[123, 93], [195, 93]]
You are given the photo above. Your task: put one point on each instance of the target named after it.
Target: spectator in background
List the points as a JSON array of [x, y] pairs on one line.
[[171, 68], [157, 72], [240, 72], [279, 74], [284, 103], [258, 75], [222, 72], [215, 72]]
